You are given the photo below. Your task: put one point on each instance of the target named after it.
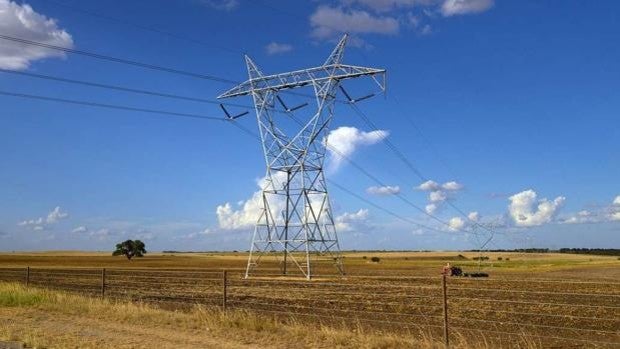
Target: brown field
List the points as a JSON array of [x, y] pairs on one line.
[[530, 300]]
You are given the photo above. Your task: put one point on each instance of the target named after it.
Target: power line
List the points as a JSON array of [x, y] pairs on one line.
[[350, 192], [110, 106], [118, 60], [391, 213], [412, 167], [120, 88], [143, 27], [129, 89], [196, 116], [176, 71], [381, 183], [136, 63]]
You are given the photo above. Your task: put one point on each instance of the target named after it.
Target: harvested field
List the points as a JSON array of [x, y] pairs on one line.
[[565, 301]]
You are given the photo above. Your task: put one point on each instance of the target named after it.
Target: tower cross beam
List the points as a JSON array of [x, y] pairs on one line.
[[300, 78]]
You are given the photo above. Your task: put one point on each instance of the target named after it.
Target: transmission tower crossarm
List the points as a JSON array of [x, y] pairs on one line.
[[300, 78]]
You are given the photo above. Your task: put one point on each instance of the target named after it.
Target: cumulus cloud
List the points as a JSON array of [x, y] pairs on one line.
[[231, 219], [274, 48], [250, 210], [452, 186], [463, 7], [344, 141], [605, 213], [56, 215], [473, 216], [583, 216], [20, 20], [386, 17], [429, 185], [42, 222], [614, 214], [456, 223], [431, 208], [437, 196], [80, 229], [461, 223], [438, 193], [385, 190], [526, 210], [329, 21], [351, 221]]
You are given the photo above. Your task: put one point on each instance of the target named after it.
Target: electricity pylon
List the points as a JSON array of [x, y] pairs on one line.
[[296, 220]]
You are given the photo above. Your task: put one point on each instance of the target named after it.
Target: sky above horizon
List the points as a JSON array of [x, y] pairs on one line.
[[508, 109]]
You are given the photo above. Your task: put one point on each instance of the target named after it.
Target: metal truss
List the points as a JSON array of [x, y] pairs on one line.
[[296, 224]]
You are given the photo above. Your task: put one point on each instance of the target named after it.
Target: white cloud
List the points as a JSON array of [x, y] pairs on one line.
[[452, 186], [437, 196], [21, 21], [56, 215], [583, 216], [239, 219], [431, 208], [438, 193], [473, 216], [527, 211], [329, 21], [41, 223], [37, 221], [456, 223], [429, 186], [275, 48], [385, 190], [463, 7], [80, 229], [606, 213], [251, 209], [349, 221], [344, 141], [224, 5]]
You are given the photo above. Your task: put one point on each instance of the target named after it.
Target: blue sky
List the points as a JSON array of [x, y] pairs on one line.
[[515, 102]]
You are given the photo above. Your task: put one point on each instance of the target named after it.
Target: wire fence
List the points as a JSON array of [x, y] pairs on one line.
[[560, 313]]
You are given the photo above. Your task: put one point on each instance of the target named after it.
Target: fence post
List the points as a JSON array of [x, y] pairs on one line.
[[224, 288], [27, 276], [446, 333], [103, 283]]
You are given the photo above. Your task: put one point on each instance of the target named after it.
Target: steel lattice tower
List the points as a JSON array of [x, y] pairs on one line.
[[296, 222]]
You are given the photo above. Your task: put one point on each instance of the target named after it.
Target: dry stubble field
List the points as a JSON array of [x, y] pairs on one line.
[[530, 300]]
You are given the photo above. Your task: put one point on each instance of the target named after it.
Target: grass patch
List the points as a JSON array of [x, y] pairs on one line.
[[17, 296]]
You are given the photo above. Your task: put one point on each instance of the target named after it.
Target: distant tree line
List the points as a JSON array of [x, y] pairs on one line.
[[593, 251], [520, 250], [599, 251]]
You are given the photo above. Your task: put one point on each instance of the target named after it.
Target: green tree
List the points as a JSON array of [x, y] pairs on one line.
[[130, 249]]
